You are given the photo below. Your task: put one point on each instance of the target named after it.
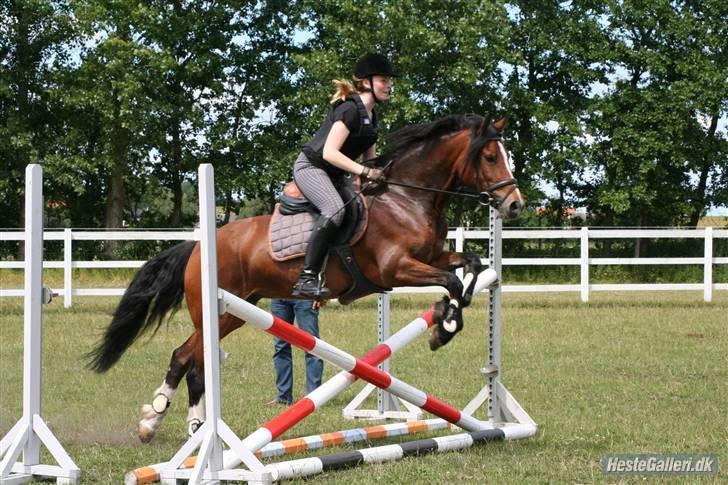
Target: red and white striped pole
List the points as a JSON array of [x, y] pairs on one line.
[[358, 367], [321, 395], [341, 381]]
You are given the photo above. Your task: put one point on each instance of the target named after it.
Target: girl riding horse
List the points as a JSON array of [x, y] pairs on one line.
[[348, 132]]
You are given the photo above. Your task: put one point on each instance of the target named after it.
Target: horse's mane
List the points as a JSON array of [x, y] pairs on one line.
[[401, 141]]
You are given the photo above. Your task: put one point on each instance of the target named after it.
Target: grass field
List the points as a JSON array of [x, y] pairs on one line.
[[626, 372]]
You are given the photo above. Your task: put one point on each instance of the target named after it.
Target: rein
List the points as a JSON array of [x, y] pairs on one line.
[[485, 197]]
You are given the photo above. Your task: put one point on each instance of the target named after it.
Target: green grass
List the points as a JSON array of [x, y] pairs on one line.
[[626, 372]]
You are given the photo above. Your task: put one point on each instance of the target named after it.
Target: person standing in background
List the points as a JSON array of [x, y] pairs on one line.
[[305, 313]]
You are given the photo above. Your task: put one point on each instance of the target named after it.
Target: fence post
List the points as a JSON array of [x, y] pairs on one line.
[[708, 266], [67, 268], [584, 264], [459, 245]]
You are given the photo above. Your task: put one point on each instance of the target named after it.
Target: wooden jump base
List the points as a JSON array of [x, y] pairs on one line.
[[507, 420], [31, 431]]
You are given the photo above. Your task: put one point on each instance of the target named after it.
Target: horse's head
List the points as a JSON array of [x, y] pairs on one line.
[[455, 150], [486, 167]]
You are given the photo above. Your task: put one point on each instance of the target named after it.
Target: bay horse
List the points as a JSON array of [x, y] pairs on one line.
[[403, 246]]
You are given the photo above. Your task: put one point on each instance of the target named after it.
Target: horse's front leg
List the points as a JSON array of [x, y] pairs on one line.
[[411, 272], [472, 267]]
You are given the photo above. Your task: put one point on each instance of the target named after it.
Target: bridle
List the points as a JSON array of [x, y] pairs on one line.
[[490, 189], [485, 197]]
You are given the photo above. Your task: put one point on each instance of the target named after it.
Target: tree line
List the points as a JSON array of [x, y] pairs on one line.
[[618, 106]]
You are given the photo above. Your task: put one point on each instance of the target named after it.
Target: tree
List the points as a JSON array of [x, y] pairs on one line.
[[246, 132], [547, 81], [35, 41], [656, 138]]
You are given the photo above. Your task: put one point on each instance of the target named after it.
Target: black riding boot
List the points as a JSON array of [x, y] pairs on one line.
[[318, 247]]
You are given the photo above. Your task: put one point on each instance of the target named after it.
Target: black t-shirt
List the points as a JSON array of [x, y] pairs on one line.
[[362, 133]]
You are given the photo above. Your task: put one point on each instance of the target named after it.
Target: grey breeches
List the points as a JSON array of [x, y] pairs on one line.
[[318, 188]]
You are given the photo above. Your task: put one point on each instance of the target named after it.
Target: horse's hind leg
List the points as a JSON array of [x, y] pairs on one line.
[[196, 391], [196, 375], [154, 413]]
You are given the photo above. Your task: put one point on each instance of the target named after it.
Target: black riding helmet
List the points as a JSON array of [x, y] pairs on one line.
[[374, 65]]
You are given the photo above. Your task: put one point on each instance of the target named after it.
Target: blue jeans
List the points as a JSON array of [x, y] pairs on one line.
[[307, 319]]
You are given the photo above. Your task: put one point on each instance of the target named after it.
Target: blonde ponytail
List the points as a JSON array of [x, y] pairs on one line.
[[344, 89]]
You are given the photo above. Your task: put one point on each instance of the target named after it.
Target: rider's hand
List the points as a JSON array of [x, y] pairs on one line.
[[373, 174]]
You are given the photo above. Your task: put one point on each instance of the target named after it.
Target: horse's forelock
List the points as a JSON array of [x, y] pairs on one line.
[[480, 136]]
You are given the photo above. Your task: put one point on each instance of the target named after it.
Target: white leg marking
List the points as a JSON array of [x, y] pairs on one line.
[[466, 282], [196, 416], [452, 326]]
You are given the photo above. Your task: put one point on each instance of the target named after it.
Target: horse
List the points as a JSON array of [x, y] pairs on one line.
[[403, 246]]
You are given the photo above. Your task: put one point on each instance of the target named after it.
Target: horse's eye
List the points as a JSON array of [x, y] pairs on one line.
[[490, 158]]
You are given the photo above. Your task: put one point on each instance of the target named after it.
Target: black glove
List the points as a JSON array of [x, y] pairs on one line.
[[373, 174]]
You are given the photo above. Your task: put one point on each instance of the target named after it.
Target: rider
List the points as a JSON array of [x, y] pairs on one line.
[[348, 132]]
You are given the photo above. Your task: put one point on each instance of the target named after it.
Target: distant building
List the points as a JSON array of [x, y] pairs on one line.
[[568, 213]]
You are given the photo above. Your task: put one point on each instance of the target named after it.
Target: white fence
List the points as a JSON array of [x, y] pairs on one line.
[[459, 235]]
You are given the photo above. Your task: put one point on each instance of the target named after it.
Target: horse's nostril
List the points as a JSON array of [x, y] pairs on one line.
[[516, 207]]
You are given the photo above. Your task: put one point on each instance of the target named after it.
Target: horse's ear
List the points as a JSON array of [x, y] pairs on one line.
[[484, 126], [501, 124]]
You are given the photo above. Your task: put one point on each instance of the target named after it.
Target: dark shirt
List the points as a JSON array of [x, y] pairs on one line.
[[362, 133]]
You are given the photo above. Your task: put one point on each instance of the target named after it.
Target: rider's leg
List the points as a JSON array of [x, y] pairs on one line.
[[318, 247], [318, 188]]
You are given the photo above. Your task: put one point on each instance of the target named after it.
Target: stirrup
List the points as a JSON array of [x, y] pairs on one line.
[[308, 286]]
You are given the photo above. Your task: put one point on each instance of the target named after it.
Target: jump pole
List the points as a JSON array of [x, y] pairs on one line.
[[262, 439], [31, 431], [150, 474]]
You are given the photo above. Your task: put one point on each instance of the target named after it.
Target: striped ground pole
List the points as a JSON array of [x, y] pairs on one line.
[[150, 474], [311, 466], [295, 336]]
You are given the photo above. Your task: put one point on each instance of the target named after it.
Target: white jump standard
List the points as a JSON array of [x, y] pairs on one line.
[[30, 432]]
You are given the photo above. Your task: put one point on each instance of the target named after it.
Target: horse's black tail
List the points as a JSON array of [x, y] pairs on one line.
[[157, 288]]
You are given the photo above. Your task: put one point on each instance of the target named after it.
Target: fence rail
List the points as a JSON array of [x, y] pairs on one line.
[[459, 235]]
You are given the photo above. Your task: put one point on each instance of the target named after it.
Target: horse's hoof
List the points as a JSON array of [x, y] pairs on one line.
[[434, 341], [145, 433], [193, 426], [149, 423]]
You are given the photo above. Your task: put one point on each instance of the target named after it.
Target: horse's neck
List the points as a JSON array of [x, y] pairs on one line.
[[431, 169]]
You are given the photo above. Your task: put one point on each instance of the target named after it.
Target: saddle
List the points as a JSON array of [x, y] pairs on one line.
[[290, 229]]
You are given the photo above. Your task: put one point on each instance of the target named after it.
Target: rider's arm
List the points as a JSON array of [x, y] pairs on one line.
[[332, 149]]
